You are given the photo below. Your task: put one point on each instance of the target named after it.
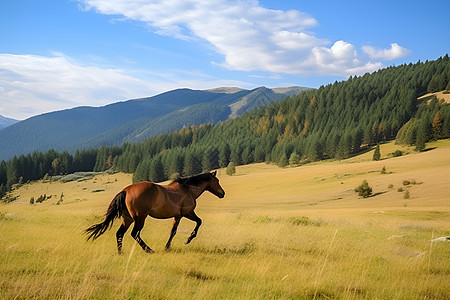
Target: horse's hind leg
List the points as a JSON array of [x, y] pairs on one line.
[[126, 222], [176, 221], [136, 234]]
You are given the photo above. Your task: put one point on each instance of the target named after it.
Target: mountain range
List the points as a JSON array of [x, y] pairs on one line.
[[5, 122], [132, 120]]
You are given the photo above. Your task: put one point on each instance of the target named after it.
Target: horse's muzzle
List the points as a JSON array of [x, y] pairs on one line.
[[221, 194]]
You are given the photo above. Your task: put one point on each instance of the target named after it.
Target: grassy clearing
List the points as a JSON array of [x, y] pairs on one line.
[[294, 233]]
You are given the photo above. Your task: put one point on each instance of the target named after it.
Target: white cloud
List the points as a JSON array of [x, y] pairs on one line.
[[394, 52], [31, 84], [249, 36]]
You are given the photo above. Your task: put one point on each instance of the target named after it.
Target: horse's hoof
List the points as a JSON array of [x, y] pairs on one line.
[[150, 251]]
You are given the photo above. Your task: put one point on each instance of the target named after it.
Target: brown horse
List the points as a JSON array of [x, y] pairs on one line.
[[175, 200]]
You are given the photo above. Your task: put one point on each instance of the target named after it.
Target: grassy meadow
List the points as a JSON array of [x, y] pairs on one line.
[[292, 233]]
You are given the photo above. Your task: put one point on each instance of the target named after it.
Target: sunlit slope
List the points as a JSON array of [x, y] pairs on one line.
[[323, 185], [293, 233]]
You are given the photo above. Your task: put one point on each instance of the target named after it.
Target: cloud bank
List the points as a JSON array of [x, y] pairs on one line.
[[251, 37], [31, 84]]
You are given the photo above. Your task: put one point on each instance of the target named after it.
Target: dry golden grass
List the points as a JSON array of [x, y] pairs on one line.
[[294, 233], [443, 95]]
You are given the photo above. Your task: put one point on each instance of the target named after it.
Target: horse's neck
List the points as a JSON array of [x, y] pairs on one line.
[[196, 191]]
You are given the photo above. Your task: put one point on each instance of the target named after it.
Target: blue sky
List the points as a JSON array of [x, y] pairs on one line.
[[57, 54]]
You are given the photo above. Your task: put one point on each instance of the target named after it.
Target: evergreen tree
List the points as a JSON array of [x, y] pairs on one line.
[[207, 160], [283, 162], [376, 153], [422, 137], [224, 155], [142, 171], [437, 126], [294, 159], [192, 165], [156, 172]]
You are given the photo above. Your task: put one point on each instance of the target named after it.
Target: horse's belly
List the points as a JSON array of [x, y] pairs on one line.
[[162, 215]]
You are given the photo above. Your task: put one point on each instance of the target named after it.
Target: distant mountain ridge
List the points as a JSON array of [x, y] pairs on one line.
[[133, 120], [5, 122]]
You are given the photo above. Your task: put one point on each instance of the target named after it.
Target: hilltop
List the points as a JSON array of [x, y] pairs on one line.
[[5, 122], [133, 120]]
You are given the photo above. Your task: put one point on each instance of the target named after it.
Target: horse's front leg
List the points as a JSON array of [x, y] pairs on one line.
[[193, 217], [176, 221]]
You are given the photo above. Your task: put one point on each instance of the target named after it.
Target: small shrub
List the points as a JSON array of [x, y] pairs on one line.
[[397, 153], [406, 195], [304, 221], [32, 200], [364, 190], [383, 170], [8, 199], [231, 169], [391, 186], [400, 190], [60, 199], [263, 219], [41, 198], [406, 182]]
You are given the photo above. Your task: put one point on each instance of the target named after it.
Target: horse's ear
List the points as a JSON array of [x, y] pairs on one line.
[[214, 173]]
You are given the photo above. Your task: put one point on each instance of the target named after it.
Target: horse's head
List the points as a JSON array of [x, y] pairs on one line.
[[214, 186]]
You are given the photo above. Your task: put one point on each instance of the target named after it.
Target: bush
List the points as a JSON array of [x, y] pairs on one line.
[[231, 169], [406, 195], [383, 170], [304, 221], [397, 153], [364, 190], [41, 198]]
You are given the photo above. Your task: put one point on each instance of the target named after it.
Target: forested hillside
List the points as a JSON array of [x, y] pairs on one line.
[[131, 121], [334, 121]]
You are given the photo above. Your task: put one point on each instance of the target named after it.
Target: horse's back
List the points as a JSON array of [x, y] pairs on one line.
[[140, 197]]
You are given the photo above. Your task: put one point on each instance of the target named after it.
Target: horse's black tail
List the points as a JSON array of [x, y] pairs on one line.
[[114, 211]]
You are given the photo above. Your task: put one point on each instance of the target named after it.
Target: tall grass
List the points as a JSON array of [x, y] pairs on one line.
[[311, 239]]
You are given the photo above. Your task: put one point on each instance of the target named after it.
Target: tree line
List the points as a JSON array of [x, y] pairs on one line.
[[334, 121]]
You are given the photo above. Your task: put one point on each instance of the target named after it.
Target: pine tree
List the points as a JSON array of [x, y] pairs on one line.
[[294, 160], [437, 126], [207, 158], [192, 165], [156, 170], [423, 134], [376, 153], [435, 84], [224, 155], [420, 140], [283, 162]]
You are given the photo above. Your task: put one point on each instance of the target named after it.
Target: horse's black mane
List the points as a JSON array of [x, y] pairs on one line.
[[195, 180]]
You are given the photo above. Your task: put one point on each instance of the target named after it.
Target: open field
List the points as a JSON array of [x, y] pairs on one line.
[[294, 233]]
